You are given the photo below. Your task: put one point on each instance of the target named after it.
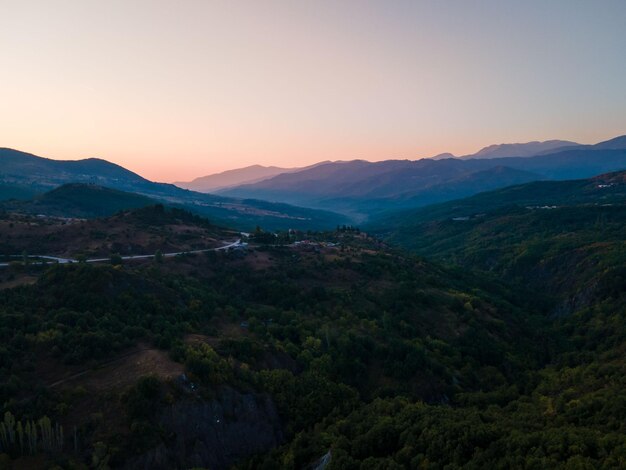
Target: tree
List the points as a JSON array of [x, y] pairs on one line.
[[116, 259]]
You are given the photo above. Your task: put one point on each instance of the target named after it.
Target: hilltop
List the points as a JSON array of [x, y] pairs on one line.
[[76, 200], [131, 232], [527, 149]]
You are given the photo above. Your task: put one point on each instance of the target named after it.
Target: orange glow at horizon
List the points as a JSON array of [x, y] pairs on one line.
[[178, 90]]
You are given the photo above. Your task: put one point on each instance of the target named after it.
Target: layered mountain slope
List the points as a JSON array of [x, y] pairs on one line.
[[32, 174], [615, 143], [79, 200], [605, 189], [527, 149], [236, 177], [226, 179], [363, 188], [24, 168], [565, 234]]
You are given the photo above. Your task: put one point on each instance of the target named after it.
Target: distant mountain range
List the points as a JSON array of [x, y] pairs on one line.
[[24, 176], [360, 188], [528, 149], [257, 173], [325, 194], [226, 179]]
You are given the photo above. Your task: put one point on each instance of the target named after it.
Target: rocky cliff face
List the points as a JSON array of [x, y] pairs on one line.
[[214, 434]]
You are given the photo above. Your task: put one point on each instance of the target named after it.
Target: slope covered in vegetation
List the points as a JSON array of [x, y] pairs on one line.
[[318, 331], [330, 346]]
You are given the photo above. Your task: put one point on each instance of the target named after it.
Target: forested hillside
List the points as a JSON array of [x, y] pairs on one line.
[[96, 188], [567, 251], [307, 327], [329, 347]]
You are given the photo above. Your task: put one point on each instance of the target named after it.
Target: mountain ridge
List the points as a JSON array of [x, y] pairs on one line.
[[604, 189], [525, 149], [230, 178], [256, 173], [79, 200], [348, 186], [36, 175]]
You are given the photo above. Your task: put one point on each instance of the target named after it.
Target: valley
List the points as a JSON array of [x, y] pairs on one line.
[[466, 333], [337, 337]]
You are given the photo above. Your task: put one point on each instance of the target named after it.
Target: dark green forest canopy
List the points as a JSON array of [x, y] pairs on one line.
[[383, 358]]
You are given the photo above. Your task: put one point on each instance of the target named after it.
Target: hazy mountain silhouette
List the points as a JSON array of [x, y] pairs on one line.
[[616, 143], [226, 179], [36, 175], [612, 144], [528, 149], [443, 156], [22, 167], [355, 188], [361, 188]]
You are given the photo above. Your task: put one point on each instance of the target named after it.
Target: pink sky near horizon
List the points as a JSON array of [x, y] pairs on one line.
[[178, 89]]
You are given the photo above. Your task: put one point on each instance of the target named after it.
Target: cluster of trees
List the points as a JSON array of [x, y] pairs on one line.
[[29, 437], [267, 237], [158, 215], [348, 229], [394, 433]]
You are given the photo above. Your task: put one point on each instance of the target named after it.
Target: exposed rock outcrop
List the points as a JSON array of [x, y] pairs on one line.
[[214, 434]]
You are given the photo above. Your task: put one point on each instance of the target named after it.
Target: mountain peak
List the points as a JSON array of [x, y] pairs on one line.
[[443, 156], [616, 143], [228, 178], [526, 149]]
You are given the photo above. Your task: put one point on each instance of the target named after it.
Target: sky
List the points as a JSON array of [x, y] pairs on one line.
[[175, 89]]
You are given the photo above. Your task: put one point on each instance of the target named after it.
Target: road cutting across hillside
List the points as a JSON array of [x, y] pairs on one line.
[[54, 259]]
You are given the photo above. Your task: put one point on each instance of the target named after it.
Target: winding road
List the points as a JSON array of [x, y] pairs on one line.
[[58, 260]]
